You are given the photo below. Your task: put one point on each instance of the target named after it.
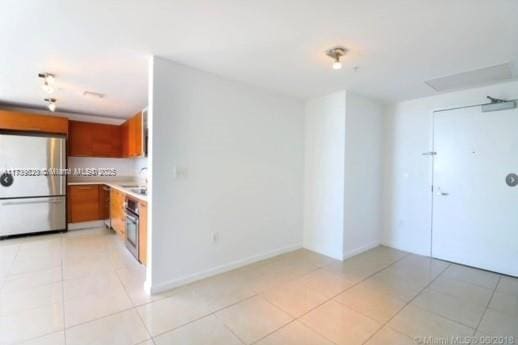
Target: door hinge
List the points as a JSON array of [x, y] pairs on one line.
[[431, 153]]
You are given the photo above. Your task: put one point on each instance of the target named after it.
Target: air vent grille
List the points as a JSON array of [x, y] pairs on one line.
[[478, 77]]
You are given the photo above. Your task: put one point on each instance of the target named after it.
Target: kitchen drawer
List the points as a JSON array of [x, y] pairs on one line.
[[47, 213]]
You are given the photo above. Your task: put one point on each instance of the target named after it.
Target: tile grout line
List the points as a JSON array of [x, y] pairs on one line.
[[231, 331], [13, 261], [278, 329], [61, 236], [350, 287], [451, 295], [63, 291], [299, 318], [353, 285], [487, 305], [88, 321], [204, 316], [62, 299], [134, 307], [4, 278], [261, 294], [404, 306], [255, 294]]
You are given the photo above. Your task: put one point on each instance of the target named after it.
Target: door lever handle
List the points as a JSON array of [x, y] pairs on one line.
[[440, 192]]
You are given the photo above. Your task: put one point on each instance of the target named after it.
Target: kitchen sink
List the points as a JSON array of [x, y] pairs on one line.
[[141, 191]]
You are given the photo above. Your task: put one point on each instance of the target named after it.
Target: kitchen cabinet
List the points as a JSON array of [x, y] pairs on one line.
[[117, 212], [88, 139], [104, 201], [84, 203], [133, 136], [143, 232], [29, 122]]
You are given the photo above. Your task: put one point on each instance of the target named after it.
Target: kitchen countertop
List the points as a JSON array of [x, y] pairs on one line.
[[116, 185]]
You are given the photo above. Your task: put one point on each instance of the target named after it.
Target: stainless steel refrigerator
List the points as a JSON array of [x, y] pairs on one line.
[[37, 203]]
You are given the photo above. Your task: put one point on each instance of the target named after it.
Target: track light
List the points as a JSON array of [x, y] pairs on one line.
[[336, 53], [47, 88], [48, 80], [51, 103]]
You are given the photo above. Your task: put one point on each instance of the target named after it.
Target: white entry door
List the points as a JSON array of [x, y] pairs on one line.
[[475, 211]]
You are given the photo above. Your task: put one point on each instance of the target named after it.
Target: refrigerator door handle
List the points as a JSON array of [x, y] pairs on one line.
[[11, 203]]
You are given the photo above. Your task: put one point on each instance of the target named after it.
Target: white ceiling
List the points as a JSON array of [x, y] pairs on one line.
[[103, 45]]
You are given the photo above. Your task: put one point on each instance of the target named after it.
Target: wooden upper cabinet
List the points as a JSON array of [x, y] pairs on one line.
[[125, 147], [87, 139], [133, 136], [138, 135], [94, 140], [29, 122]]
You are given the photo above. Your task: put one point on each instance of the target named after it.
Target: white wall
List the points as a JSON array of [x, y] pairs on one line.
[[324, 174], [226, 158], [343, 174], [363, 173], [408, 174], [125, 167]]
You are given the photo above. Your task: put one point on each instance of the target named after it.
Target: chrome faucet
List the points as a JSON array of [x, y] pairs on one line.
[[141, 171]]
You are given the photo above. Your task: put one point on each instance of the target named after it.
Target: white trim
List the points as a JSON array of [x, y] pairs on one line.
[[337, 256], [154, 289], [408, 249], [361, 249], [86, 225]]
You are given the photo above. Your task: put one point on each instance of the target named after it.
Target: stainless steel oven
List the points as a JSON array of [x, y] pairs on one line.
[[132, 227]]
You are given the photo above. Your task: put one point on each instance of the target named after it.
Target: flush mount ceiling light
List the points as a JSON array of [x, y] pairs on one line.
[[336, 53], [48, 80], [51, 103]]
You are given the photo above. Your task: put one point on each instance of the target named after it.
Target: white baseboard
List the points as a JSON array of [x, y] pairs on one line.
[[337, 256], [412, 250], [218, 269], [360, 250], [86, 225]]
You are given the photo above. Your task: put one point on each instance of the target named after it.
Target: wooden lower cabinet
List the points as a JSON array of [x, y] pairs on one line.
[[104, 201], [142, 255], [98, 202], [117, 212], [84, 203]]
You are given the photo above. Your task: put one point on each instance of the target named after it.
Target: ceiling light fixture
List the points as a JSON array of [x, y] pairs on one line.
[[336, 53], [48, 79], [51, 103]]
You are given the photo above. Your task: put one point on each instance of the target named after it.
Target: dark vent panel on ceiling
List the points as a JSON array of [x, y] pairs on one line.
[[478, 77]]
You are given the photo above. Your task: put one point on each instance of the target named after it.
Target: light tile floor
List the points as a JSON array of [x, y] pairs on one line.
[[83, 287]]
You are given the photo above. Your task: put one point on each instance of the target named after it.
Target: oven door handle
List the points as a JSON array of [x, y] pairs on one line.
[[131, 217]]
